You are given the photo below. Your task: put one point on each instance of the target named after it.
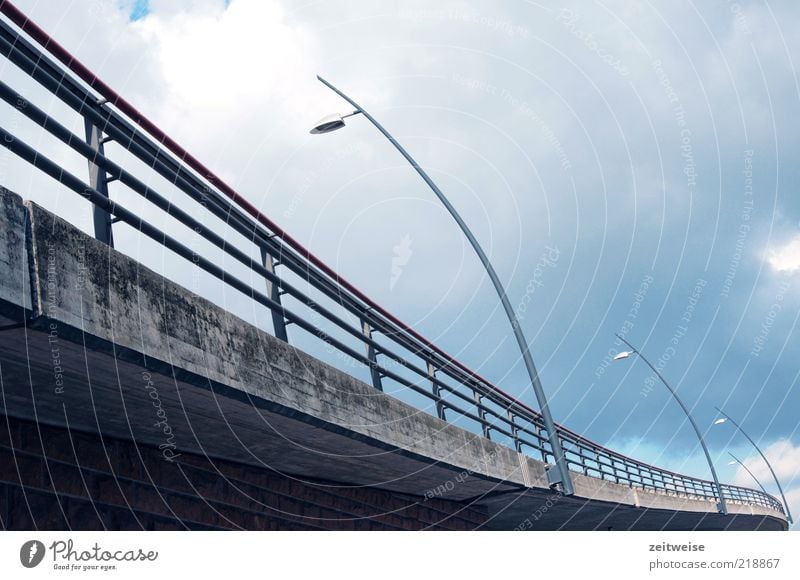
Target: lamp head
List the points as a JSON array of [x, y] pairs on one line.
[[327, 124]]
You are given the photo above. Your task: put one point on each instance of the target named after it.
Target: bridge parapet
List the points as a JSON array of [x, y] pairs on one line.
[[141, 358]]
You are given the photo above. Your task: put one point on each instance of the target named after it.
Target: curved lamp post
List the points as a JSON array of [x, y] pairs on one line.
[[334, 122], [724, 419], [737, 460], [723, 508]]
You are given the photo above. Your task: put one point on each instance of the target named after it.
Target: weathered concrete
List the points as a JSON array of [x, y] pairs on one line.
[[15, 289], [109, 347]]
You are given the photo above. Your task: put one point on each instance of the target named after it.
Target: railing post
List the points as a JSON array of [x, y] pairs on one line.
[[372, 355], [98, 180], [514, 432], [437, 392], [278, 321], [584, 459], [539, 437], [482, 414]]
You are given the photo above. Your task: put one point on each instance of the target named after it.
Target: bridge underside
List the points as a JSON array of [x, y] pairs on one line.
[[145, 391]]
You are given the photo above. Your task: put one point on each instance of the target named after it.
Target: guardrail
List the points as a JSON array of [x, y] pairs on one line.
[[357, 327]]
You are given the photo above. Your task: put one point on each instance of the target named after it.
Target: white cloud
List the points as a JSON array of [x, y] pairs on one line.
[[244, 71], [786, 258], [784, 457], [793, 497]]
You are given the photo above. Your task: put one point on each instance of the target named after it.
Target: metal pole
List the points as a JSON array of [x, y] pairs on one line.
[[99, 182], [736, 459], [764, 457], [278, 321], [487, 431], [437, 393], [372, 355], [563, 476], [723, 508]]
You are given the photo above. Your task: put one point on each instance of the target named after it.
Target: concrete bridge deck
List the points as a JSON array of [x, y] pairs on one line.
[[93, 342]]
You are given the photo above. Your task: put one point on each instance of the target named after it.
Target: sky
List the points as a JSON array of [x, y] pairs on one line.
[[628, 167]]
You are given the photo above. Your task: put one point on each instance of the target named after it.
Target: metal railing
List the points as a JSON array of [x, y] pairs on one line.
[[366, 333]]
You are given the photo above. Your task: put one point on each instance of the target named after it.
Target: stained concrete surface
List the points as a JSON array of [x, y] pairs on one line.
[[110, 347]]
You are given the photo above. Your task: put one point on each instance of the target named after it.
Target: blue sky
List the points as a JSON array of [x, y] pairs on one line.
[[629, 168], [140, 9]]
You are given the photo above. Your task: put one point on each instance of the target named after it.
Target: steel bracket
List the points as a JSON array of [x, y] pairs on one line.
[[553, 476]]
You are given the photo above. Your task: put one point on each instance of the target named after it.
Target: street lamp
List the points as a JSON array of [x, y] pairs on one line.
[[331, 123], [724, 419], [560, 475], [723, 508], [736, 460]]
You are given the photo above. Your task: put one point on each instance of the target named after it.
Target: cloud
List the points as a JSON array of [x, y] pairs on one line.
[[231, 71], [786, 258], [793, 497], [784, 457]]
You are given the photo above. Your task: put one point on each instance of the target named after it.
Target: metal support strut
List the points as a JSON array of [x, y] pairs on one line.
[[98, 180], [274, 293], [372, 355]]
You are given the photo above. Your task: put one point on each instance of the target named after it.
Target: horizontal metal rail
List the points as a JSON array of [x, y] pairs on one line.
[[373, 337]]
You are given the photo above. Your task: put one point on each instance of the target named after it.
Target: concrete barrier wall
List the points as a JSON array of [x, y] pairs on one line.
[[235, 392]]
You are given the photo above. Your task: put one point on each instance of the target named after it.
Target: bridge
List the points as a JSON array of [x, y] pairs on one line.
[[130, 401]]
